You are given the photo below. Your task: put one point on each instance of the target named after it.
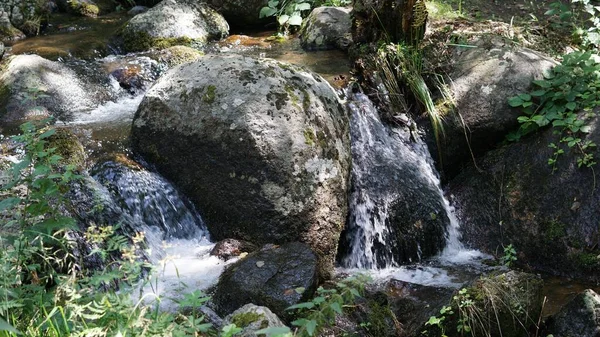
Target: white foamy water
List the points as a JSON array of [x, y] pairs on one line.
[[121, 110]]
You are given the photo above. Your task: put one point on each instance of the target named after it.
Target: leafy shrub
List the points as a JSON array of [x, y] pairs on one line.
[[565, 100]]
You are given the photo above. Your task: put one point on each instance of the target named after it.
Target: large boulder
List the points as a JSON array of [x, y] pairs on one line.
[[550, 217], [33, 87], [578, 318], [252, 318], [261, 147], [91, 8], [173, 22], [276, 277], [240, 13], [327, 28], [482, 81]]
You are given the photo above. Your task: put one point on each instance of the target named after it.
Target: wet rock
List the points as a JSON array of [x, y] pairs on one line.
[[1, 50], [68, 146], [17, 16], [275, 140], [327, 28], [173, 22], [550, 217], [252, 318], [32, 87], [386, 227], [483, 79], [580, 317], [137, 10], [176, 55], [240, 13], [229, 248], [268, 278]]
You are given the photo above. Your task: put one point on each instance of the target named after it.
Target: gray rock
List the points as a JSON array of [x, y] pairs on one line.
[[551, 218], [137, 10], [261, 147], [327, 28], [17, 16], [252, 318], [268, 278], [229, 248], [482, 81], [578, 318], [174, 22], [240, 13], [33, 87], [1, 50]]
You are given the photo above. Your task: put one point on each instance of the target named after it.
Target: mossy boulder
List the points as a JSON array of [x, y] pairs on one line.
[[270, 277], [578, 318], [68, 146], [20, 17], [549, 213], [252, 318], [173, 22], [177, 55], [262, 148], [327, 28], [90, 8]]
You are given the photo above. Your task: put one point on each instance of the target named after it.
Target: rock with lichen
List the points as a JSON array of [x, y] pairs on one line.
[[19, 17], [90, 8], [580, 317], [251, 318], [261, 147], [327, 28], [173, 22]]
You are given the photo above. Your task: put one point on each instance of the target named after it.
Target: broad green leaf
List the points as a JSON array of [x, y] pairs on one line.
[[336, 307], [303, 305], [295, 20], [48, 133], [515, 101], [538, 93], [311, 327], [266, 12], [571, 105], [283, 19], [9, 203], [525, 97], [303, 6], [542, 83]]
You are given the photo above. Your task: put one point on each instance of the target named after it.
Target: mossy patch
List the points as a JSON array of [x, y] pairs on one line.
[[68, 147], [177, 55], [309, 137], [587, 261], [244, 319], [141, 41], [553, 230], [209, 96], [85, 9], [378, 321]]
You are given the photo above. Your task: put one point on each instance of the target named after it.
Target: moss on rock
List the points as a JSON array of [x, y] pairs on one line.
[[244, 319], [141, 41]]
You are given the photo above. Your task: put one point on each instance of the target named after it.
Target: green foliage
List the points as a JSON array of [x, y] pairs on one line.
[[289, 13], [45, 290], [321, 310], [510, 255], [565, 100], [581, 18]]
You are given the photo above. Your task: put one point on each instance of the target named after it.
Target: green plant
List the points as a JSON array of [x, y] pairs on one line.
[[564, 99], [289, 13], [510, 255], [582, 18], [321, 310], [45, 289]]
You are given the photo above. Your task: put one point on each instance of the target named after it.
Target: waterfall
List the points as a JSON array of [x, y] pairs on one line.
[[176, 236], [393, 173]]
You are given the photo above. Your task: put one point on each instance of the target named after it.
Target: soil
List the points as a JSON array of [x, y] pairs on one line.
[[504, 10]]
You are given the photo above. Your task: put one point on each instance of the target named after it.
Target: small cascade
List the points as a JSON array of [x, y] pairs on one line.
[[393, 175], [176, 236]]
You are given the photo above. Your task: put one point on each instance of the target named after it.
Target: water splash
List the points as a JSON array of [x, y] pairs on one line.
[[176, 236], [387, 163]]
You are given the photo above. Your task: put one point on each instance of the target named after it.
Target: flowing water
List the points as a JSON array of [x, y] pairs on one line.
[[372, 197]]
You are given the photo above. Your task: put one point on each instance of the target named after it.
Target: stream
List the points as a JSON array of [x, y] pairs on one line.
[[178, 240]]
